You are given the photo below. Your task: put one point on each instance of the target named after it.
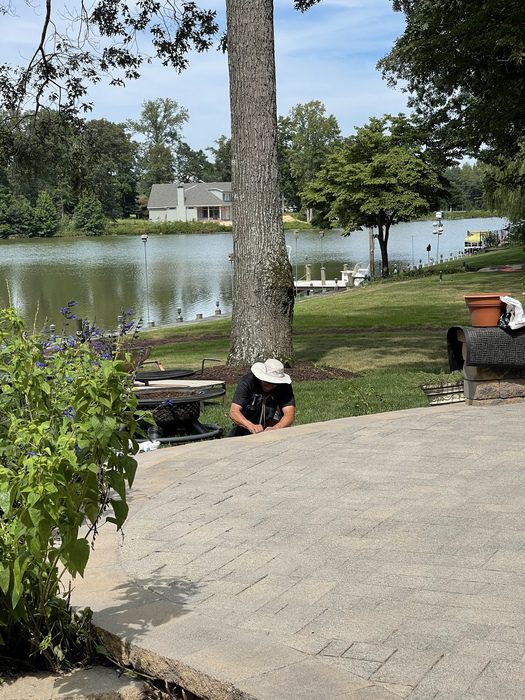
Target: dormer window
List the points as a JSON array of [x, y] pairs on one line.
[[227, 196]]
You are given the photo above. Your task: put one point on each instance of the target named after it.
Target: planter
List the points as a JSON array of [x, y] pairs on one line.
[[485, 309], [438, 394]]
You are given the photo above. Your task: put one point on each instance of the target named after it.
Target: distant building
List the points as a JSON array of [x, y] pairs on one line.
[[191, 201]]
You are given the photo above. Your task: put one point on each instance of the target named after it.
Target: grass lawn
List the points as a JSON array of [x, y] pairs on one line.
[[391, 333]]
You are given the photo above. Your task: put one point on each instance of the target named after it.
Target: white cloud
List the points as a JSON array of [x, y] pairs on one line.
[[328, 53]]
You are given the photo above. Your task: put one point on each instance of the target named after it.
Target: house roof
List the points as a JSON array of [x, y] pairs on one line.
[[196, 194]]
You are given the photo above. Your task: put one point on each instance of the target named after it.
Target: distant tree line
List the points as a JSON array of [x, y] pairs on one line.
[[55, 170], [54, 167]]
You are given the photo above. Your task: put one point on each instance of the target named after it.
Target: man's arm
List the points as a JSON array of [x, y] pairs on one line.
[[287, 419], [238, 418]]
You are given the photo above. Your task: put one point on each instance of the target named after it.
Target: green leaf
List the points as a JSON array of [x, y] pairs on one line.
[[5, 576], [117, 482], [76, 556], [36, 516], [130, 467], [5, 501], [120, 509]]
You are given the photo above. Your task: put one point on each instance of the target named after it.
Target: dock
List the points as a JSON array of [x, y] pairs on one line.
[[349, 278]]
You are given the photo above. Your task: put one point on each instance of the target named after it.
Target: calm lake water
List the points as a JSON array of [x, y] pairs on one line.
[[193, 272]]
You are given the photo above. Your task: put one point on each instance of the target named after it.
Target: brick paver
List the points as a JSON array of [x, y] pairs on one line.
[[376, 557]]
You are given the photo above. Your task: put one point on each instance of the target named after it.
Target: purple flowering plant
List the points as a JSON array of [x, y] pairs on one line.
[[68, 428]]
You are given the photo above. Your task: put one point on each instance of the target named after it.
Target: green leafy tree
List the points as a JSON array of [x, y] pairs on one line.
[[156, 166], [222, 159], [505, 187], [466, 190], [193, 166], [160, 123], [88, 217], [43, 155], [376, 179], [16, 216], [462, 63], [107, 166], [307, 135], [46, 216], [67, 157]]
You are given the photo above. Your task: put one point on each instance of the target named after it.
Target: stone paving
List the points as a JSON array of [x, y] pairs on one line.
[[370, 558]]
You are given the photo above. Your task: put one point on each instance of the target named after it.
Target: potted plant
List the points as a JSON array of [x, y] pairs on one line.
[[485, 309]]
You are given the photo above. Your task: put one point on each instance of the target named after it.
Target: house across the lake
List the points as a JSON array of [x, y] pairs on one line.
[[191, 201]]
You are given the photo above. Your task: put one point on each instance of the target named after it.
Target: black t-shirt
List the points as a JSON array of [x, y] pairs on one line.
[[259, 406]]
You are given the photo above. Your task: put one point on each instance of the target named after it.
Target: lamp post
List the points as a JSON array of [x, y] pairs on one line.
[[296, 233], [438, 229], [230, 258], [144, 238]]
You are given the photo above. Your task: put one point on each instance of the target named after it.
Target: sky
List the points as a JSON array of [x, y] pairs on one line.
[[328, 53]]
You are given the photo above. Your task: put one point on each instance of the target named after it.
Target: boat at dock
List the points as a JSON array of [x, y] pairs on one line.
[[479, 241]]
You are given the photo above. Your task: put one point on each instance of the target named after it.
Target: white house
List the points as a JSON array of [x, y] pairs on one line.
[[191, 201]]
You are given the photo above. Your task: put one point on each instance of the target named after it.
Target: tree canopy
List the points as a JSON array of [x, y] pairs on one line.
[[505, 186], [463, 65], [306, 136], [377, 178]]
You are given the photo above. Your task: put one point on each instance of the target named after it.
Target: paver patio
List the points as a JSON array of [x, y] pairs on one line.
[[378, 557]]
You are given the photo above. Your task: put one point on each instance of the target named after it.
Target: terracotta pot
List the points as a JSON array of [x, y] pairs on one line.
[[485, 309]]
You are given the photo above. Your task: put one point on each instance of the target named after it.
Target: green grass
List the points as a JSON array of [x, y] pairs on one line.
[[391, 333]]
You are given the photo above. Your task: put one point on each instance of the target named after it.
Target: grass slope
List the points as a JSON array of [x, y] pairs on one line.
[[392, 333]]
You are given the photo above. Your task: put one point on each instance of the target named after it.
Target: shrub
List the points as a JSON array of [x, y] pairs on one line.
[[140, 226], [89, 218], [16, 216], [47, 220], [67, 426]]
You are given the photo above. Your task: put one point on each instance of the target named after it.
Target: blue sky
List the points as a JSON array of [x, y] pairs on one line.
[[328, 53]]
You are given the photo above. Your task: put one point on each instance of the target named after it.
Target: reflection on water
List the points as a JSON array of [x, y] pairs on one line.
[[193, 272]]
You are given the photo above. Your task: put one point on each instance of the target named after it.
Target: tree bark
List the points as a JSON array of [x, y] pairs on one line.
[[263, 294]]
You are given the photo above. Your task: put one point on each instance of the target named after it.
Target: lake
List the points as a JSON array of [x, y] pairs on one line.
[[191, 272]]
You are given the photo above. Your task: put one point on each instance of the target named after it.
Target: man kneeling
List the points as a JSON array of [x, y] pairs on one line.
[[263, 400]]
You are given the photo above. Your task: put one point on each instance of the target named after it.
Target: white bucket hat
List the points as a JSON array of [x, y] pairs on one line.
[[271, 371]]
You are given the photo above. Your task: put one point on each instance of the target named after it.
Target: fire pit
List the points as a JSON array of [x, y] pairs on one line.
[[162, 375], [176, 412]]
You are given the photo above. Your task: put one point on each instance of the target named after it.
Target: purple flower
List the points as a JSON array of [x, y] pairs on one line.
[[64, 310], [71, 303], [70, 413], [31, 454], [40, 364], [69, 380]]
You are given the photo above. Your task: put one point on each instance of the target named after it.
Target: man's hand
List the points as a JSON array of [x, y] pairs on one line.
[[255, 429]]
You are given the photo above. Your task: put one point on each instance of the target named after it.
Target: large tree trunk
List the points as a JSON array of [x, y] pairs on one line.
[[262, 276]]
